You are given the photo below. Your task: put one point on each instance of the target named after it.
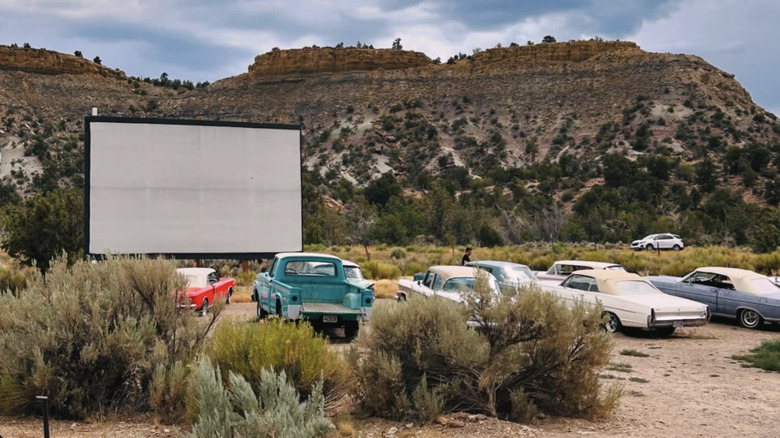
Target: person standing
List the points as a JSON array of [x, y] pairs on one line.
[[466, 257]]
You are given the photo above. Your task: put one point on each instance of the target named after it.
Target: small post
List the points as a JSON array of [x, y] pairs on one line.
[[45, 401], [244, 265]]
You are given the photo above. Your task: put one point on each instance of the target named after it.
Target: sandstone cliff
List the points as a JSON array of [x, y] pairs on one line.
[[49, 62], [330, 59]]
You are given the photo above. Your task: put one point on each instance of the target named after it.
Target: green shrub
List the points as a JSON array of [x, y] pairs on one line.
[[245, 278], [92, 335], [530, 353], [379, 271], [398, 253], [273, 411], [248, 348], [414, 267], [766, 356]]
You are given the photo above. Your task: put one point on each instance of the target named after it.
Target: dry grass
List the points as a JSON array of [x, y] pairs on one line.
[[345, 428], [385, 288], [242, 294]]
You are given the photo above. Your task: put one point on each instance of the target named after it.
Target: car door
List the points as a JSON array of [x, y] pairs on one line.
[[211, 286], [699, 287], [576, 287]]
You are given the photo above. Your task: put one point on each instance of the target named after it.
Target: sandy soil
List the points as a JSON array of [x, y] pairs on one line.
[[688, 386]]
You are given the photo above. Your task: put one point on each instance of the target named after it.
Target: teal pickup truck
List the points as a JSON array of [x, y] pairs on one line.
[[312, 287]]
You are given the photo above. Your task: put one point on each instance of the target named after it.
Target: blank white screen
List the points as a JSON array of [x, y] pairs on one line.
[[168, 188]]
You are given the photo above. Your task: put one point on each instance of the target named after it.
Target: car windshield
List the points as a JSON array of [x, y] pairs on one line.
[[650, 237], [636, 287], [353, 272], [615, 268], [521, 274]]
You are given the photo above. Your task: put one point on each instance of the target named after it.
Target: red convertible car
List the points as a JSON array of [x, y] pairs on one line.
[[203, 287]]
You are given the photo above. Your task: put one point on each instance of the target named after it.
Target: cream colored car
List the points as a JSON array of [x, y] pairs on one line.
[[630, 301], [448, 282]]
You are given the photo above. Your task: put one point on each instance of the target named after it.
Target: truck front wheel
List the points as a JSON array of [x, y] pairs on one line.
[[261, 313]]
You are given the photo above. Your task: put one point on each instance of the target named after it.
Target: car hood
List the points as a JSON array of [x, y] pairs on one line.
[[664, 302], [363, 284]]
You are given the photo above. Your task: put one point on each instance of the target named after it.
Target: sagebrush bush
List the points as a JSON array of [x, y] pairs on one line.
[[13, 278], [248, 348], [531, 353], [238, 411], [398, 253], [91, 336], [380, 271]]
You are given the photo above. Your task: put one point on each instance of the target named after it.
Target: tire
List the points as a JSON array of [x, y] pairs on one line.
[[278, 308], [649, 247], [613, 323], [749, 319], [261, 313], [351, 330], [229, 294], [676, 247], [204, 308], [665, 331]]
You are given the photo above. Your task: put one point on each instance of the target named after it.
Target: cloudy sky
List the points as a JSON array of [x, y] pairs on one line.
[[206, 40]]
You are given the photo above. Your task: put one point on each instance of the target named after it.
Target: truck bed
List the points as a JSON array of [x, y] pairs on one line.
[[330, 308]]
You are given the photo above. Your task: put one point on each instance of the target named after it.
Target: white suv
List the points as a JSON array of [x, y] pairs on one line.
[[658, 241]]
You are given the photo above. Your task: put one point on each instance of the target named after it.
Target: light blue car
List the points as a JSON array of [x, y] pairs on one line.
[[510, 276], [749, 297]]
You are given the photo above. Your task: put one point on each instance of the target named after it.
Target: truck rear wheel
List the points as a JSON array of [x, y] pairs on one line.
[[351, 330]]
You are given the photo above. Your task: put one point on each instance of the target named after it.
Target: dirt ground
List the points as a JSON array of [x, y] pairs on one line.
[[688, 386]]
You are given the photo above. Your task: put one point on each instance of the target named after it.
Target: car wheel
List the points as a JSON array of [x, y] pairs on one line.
[[613, 323], [261, 313], [351, 330], [665, 331], [749, 318], [649, 247], [229, 295], [204, 308], [278, 307], [676, 247]]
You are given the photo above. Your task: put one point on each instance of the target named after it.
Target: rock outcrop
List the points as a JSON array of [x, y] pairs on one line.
[[331, 60], [49, 62]]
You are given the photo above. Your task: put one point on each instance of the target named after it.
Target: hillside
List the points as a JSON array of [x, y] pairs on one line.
[[545, 123]]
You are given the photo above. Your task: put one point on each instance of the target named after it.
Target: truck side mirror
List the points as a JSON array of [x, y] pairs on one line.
[[263, 270]]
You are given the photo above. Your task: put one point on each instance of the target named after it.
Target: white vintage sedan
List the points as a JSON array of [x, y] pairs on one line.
[[562, 268], [630, 301], [447, 282]]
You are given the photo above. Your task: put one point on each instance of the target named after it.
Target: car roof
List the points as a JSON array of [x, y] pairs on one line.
[[495, 263], [306, 254], [596, 265], [731, 272], [608, 279], [195, 271], [606, 274], [448, 271]]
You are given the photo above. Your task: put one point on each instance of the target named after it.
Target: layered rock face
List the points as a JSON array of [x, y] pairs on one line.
[[330, 60], [49, 62]]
